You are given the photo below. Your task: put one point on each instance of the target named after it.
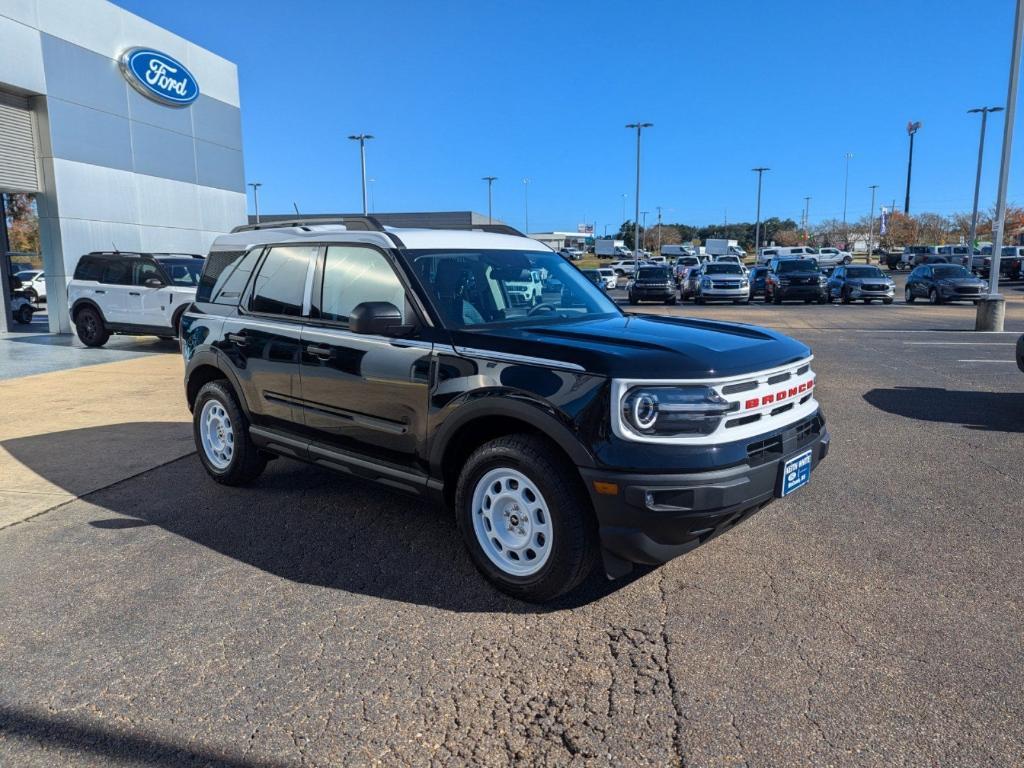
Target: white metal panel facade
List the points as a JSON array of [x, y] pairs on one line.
[[19, 169]]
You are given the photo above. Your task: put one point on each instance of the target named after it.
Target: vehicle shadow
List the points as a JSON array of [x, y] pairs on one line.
[[991, 411], [298, 522]]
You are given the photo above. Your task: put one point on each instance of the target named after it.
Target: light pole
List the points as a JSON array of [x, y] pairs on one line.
[[624, 196], [807, 216], [757, 227], [644, 228], [636, 222], [846, 188], [871, 222], [371, 182], [977, 181], [256, 197], [992, 308], [659, 229], [912, 128], [490, 183], [526, 206], [362, 138]]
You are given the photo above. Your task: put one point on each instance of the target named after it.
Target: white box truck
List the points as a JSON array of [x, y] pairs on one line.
[[720, 247], [607, 248]]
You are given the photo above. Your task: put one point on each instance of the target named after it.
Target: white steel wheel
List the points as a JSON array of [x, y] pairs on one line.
[[216, 434], [511, 522]]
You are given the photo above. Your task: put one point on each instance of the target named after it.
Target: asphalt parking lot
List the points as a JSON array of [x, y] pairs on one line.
[[873, 618]]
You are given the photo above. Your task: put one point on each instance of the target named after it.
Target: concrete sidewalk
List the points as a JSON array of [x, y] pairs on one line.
[[68, 433]]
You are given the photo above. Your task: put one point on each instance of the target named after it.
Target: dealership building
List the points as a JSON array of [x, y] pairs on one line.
[[126, 136]]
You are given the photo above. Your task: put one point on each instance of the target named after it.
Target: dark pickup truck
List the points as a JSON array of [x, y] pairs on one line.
[[558, 433]]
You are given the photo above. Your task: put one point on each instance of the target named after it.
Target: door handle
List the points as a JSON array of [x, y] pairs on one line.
[[134, 293], [237, 338], [324, 353], [99, 291]]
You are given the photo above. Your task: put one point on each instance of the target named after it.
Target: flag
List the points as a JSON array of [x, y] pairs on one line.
[[883, 229]]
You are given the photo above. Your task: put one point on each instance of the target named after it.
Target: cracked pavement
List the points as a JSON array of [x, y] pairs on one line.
[[874, 618]]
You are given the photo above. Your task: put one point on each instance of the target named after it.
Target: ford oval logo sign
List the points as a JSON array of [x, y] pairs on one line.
[[159, 77]]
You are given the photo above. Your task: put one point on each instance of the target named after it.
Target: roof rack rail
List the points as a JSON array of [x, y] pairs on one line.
[[497, 229], [355, 223]]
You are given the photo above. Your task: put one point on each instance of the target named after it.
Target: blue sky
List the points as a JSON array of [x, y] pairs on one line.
[[458, 90]]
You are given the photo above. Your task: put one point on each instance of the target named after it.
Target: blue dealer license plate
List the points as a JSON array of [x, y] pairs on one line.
[[796, 472]]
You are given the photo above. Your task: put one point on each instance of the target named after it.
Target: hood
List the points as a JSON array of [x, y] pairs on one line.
[[960, 281], [644, 346]]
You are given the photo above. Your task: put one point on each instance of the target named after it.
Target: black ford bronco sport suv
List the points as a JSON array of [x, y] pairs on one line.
[[559, 432]]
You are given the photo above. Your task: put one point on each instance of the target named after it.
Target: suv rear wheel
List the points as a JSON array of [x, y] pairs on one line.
[[221, 433], [528, 527], [90, 329]]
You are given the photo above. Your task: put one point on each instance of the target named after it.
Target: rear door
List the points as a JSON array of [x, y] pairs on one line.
[[363, 393], [112, 292], [261, 343]]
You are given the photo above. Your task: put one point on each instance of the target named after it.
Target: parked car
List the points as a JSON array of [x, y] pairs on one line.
[[21, 307], [116, 292], [560, 437], [1011, 263], [796, 252], [940, 283], [572, 254], [795, 278], [832, 257], [764, 255], [623, 268], [860, 283], [33, 283], [527, 290], [730, 258], [611, 280], [912, 256], [757, 277], [652, 283], [682, 266], [722, 281]]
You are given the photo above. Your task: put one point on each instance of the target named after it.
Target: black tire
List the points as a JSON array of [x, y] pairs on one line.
[[574, 528], [933, 296], [670, 301], [633, 299], [822, 299], [887, 301], [90, 327], [23, 315], [908, 296], [699, 300], [247, 461], [845, 296], [776, 299]]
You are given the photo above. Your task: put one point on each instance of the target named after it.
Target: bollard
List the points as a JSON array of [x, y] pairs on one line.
[[991, 313]]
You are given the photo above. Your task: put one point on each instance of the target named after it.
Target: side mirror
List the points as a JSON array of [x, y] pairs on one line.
[[153, 282], [378, 318]]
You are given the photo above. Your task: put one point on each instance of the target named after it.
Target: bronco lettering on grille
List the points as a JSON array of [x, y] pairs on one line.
[[782, 394]]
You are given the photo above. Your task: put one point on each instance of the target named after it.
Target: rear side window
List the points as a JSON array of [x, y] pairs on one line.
[[281, 282], [225, 275], [117, 272], [89, 268], [354, 274]]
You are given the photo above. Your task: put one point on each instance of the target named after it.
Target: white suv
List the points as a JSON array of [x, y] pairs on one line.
[[140, 294]]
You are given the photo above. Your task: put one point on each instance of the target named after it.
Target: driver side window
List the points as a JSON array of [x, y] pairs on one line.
[[143, 271], [355, 274]]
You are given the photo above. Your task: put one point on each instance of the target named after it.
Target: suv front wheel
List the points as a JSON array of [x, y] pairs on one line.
[[221, 433], [529, 528]]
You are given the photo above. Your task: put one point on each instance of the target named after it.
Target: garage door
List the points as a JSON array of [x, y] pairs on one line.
[[17, 146]]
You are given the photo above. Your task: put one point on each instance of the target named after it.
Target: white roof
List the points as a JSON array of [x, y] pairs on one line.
[[414, 239]]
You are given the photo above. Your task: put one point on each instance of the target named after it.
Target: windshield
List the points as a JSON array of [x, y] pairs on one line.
[[797, 265], [652, 273], [858, 272], [949, 271], [475, 288], [723, 268], [184, 272]]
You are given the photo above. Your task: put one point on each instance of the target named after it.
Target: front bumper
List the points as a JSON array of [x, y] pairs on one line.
[[800, 292], [661, 293], [656, 517], [725, 293], [861, 293]]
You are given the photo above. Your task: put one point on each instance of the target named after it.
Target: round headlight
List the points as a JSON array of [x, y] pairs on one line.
[[644, 410]]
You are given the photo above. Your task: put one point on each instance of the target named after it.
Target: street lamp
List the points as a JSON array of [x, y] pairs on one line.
[[659, 228], [644, 228], [757, 227], [992, 308], [370, 182], [624, 196], [977, 181], [362, 138], [807, 216], [636, 222], [490, 183], [846, 188], [256, 197], [526, 205], [912, 128], [871, 221]]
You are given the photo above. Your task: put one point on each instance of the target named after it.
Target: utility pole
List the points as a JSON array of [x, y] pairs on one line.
[[636, 222], [370, 182], [659, 229], [871, 222], [807, 217], [992, 308], [526, 206], [757, 227], [977, 181], [912, 128], [846, 188], [644, 229], [362, 138], [256, 197], [624, 196], [490, 183]]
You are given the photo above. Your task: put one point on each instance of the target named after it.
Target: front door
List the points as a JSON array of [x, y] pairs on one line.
[[364, 393], [152, 307]]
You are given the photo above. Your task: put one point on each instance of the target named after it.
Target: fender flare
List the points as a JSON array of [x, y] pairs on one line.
[[536, 413], [79, 303], [211, 358]]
